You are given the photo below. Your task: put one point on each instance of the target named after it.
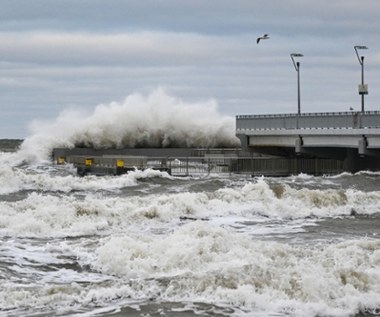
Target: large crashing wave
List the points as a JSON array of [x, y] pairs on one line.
[[153, 120]]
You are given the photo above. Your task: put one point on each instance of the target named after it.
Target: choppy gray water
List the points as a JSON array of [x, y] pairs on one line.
[[148, 244]]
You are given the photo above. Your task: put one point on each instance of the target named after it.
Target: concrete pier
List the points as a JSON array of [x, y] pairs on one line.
[[175, 161], [350, 137], [196, 162], [271, 145]]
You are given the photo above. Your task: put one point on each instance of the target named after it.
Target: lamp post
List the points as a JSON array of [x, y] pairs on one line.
[[363, 89], [297, 67]]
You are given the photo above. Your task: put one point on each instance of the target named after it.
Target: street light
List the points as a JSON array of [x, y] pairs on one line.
[[363, 89], [297, 67]]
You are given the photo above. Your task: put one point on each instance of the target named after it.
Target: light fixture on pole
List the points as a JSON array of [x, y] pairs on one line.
[[297, 67], [363, 89]]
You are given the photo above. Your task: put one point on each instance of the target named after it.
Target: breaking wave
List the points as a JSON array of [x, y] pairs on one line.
[[153, 120], [52, 207]]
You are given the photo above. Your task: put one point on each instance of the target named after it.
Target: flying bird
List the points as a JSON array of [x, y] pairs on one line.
[[264, 37]]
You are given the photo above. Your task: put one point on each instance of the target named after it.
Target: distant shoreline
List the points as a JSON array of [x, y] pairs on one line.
[[7, 145]]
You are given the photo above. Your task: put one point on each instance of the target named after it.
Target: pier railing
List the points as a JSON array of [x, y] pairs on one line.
[[193, 166], [323, 120]]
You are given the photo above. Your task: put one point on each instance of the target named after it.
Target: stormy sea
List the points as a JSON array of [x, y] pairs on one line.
[[150, 244]]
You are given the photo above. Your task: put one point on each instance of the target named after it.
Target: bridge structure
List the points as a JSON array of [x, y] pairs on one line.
[[350, 137]]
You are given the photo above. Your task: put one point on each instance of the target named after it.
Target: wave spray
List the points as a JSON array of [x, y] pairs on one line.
[[153, 120]]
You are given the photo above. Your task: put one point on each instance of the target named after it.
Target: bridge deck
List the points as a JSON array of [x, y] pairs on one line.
[[322, 120], [340, 135]]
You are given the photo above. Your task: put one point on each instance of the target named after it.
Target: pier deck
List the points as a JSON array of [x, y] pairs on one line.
[[352, 137]]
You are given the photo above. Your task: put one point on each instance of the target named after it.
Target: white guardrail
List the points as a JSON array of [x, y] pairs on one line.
[[323, 120]]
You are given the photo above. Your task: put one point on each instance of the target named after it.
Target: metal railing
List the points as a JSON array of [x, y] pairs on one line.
[[192, 166], [322, 120]]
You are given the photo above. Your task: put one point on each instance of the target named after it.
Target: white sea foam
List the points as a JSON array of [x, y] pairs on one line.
[[154, 120], [59, 214], [15, 179], [207, 264], [148, 246], [202, 263]]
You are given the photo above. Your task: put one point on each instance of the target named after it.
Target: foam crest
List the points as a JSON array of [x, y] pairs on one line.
[[58, 214], [10, 183], [285, 202], [203, 263], [10, 159], [14, 180], [154, 120]]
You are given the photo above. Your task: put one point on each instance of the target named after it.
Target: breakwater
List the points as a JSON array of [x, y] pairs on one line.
[[190, 162]]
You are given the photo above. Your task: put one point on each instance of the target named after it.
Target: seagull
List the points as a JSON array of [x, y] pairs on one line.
[[264, 37]]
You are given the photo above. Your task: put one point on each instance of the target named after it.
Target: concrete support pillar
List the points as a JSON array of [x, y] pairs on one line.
[[298, 145], [362, 146], [352, 161], [244, 140]]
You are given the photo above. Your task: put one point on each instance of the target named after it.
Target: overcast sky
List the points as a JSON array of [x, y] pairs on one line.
[[62, 54]]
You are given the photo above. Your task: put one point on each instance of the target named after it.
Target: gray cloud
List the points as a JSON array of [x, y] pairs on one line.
[[142, 48], [64, 53]]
